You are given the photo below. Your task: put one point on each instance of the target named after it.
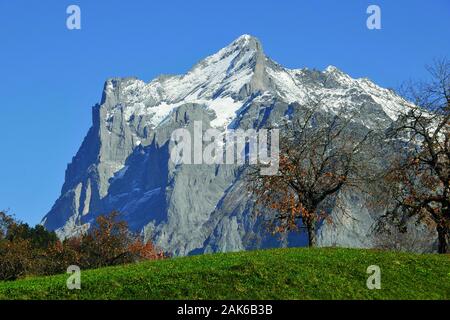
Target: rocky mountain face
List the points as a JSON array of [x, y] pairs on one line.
[[124, 162]]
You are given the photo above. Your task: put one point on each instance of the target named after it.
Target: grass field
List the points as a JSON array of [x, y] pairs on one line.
[[296, 273]]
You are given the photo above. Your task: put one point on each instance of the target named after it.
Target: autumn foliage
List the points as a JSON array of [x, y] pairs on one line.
[[319, 157], [36, 251]]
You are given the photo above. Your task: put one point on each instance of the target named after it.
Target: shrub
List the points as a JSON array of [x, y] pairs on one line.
[[58, 256], [15, 259], [36, 251]]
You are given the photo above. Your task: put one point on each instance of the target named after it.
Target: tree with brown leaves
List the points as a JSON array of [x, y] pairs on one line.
[[319, 157], [35, 251], [110, 243], [418, 179]]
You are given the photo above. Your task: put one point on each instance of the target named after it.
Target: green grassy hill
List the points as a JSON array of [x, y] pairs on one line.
[[296, 273]]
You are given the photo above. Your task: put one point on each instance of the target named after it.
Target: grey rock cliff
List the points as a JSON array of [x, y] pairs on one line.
[[123, 163]]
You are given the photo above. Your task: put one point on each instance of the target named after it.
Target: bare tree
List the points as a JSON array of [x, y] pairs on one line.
[[417, 239], [418, 179], [319, 156]]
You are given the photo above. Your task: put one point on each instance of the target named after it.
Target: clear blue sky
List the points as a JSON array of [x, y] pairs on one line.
[[51, 76]]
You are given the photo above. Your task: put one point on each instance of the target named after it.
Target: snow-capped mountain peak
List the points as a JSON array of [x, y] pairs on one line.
[[124, 164], [225, 80]]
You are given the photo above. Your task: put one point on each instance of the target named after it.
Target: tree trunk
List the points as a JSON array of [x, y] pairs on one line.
[[311, 229], [443, 237]]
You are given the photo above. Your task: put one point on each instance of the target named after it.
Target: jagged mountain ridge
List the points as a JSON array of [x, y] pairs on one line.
[[124, 164]]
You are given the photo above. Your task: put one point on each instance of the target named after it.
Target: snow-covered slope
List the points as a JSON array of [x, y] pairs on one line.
[[124, 164], [222, 82]]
